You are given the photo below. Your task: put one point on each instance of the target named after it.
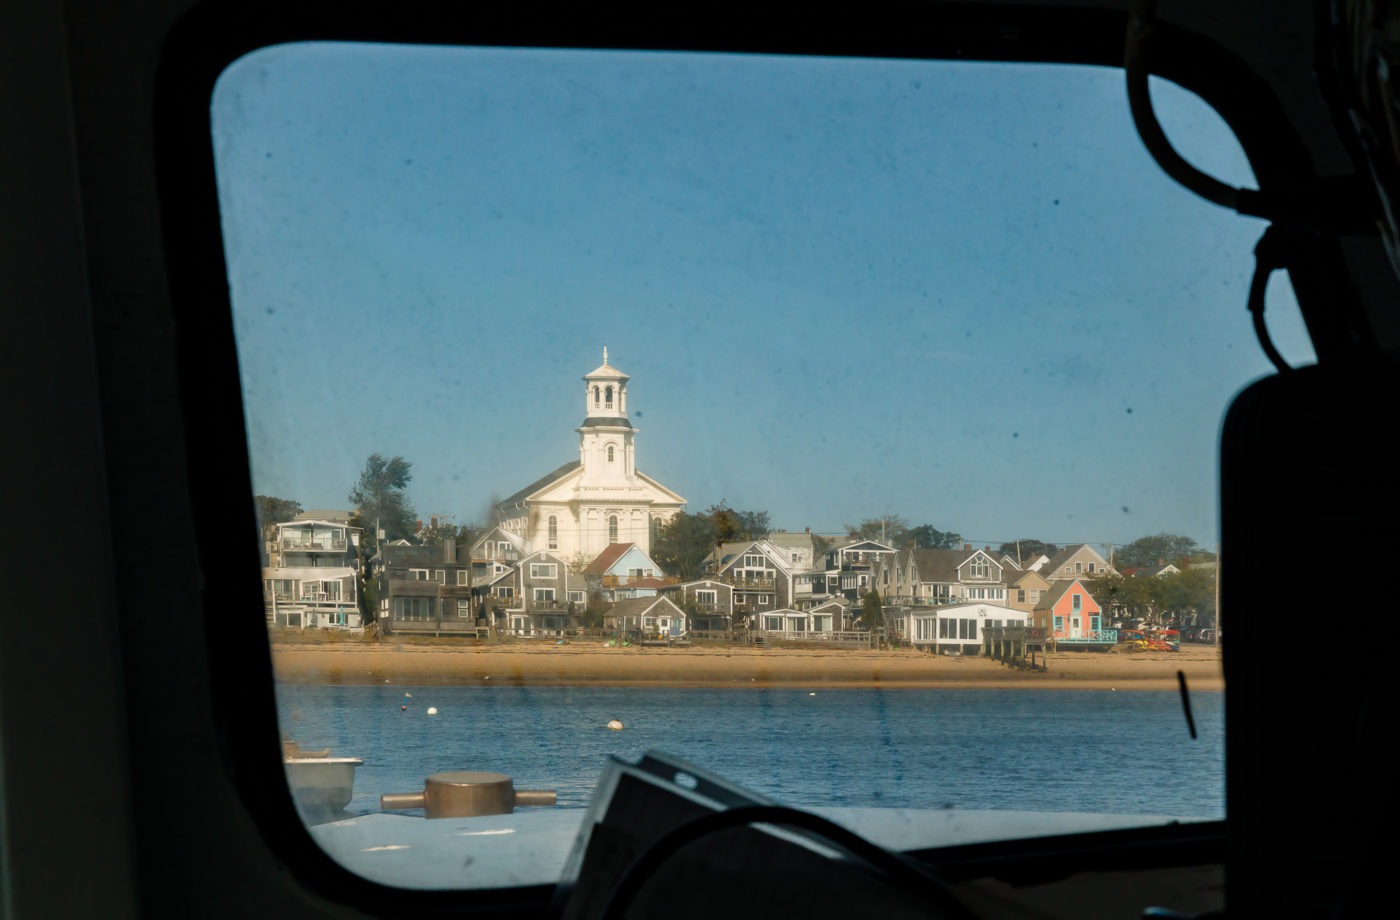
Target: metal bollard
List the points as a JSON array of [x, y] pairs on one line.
[[466, 794]]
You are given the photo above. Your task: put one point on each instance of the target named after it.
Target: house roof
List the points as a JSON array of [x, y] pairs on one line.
[[1059, 559], [605, 560], [1058, 589], [641, 606], [941, 565]]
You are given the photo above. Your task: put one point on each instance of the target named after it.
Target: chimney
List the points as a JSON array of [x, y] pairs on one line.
[[967, 547]]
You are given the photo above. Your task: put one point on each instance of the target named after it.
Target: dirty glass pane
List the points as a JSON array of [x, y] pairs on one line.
[[743, 408]]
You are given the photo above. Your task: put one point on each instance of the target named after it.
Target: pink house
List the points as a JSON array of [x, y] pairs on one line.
[[1071, 615]]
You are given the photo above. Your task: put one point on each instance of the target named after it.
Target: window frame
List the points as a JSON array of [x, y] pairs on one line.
[[213, 35]]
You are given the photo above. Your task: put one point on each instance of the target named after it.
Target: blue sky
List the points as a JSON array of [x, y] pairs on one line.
[[957, 292]]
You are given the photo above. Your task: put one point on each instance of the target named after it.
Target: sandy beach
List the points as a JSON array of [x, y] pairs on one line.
[[592, 663]]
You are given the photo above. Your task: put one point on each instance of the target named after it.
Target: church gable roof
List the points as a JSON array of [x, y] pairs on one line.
[[543, 482]]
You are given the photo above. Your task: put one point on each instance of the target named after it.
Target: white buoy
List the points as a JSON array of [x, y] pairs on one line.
[[408, 696], [615, 725], [432, 710]]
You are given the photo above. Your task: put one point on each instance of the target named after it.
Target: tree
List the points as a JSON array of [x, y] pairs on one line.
[[684, 543], [890, 529], [273, 510], [926, 536], [872, 613], [1027, 550], [1162, 547], [381, 498], [732, 525], [437, 534]]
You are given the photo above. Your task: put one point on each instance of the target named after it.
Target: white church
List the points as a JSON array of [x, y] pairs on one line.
[[601, 498]]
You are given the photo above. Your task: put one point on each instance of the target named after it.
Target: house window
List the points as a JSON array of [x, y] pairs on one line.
[[1078, 602], [413, 608], [1091, 568], [1020, 595], [773, 624], [707, 597], [544, 595], [979, 568], [505, 591], [576, 597], [612, 528], [753, 561], [1059, 624], [1078, 568], [553, 532], [417, 574], [464, 607], [543, 570], [461, 578], [441, 576], [762, 599]]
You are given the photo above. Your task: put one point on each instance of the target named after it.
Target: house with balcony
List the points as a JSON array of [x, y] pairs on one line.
[[1071, 617], [548, 599], [709, 601], [427, 589], [930, 577], [759, 574], [624, 570], [856, 566], [312, 577], [810, 589]]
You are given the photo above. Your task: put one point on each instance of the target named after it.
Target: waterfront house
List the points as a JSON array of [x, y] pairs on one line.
[[649, 617], [549, 600], [709, 601], [1071, 617], [759, 573], [925, 577], [957, 629], [425, 589], [856, 564], [832, 616], [312, 579]]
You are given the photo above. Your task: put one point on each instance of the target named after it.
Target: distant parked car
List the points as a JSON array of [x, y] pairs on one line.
[[1206, 635]]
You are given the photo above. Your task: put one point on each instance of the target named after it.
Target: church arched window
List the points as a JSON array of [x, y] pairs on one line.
[[595, 396], [553, 532], [607, 398], [610, 453], [612, 528]]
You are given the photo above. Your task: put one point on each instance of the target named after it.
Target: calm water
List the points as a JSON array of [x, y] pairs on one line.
[[1037, 750]]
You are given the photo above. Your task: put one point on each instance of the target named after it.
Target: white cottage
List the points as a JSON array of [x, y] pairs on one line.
[[958, 629], [601, 498]]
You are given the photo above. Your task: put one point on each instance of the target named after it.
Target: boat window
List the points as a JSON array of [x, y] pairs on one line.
[[911, 308]]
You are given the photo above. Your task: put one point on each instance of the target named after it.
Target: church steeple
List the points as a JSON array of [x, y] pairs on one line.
[[605, 394], [605, 440]]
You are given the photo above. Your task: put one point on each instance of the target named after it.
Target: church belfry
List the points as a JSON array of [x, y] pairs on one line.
[[606, 436]]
